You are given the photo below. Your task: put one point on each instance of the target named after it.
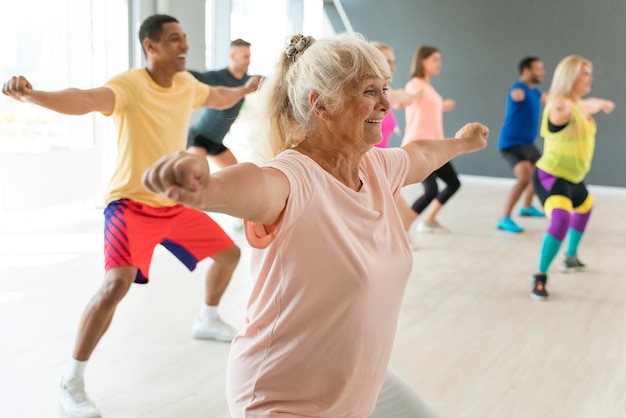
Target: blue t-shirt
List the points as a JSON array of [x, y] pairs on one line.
[[521, 122], [214, 124]]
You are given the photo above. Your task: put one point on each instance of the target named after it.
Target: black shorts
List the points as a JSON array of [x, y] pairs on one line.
[[519, 153], [212, 148], [547, 185]]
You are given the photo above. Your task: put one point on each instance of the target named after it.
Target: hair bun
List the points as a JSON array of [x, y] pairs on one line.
[[297, 45]]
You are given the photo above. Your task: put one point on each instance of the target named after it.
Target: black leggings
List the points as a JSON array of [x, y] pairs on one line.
[[431, 191]]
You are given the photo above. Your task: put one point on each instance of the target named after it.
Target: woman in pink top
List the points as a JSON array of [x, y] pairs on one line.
[[424, 119], [330, 256], [398, 98]]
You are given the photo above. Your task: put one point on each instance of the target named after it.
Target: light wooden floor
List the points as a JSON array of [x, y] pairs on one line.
[[469, 339]]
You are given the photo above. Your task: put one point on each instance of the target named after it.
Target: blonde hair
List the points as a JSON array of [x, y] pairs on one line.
[[566, 73], [329, 66]]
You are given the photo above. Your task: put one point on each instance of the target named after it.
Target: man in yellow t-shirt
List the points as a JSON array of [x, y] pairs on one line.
[[151, 108]]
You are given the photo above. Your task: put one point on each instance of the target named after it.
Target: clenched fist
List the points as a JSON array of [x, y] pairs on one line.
[[18, 88], [182, 177], [476, 135]]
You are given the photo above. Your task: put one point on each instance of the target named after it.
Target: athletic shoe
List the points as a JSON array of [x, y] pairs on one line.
[[572, 264], [214, 329], [74, 400], [531, 211], [507, 224], [539, 288], [432, 228]]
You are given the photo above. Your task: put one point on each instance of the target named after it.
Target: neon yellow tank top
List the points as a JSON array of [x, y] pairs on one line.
[[568, 153]]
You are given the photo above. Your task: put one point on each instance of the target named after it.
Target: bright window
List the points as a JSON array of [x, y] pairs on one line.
[[55, 45], [266, 24]]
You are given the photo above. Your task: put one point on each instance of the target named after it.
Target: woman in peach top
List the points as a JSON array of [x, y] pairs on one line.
[[424, 119], [330, 257]]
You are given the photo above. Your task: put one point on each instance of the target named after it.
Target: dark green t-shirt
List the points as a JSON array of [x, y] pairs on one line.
[[214, 124]]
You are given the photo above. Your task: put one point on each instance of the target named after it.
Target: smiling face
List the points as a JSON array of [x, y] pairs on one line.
[[170, 51], [365, 107], [536, 72], [240, 58]]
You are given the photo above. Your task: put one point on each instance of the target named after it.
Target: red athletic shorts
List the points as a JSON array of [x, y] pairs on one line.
[[133, 229]]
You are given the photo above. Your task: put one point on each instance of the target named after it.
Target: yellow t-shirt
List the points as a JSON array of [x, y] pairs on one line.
[[152, 122]]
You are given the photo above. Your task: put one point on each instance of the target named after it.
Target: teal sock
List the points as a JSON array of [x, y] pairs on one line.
[[549, 250], [573, 239]]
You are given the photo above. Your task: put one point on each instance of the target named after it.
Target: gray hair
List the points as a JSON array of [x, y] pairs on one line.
[[331, 66]]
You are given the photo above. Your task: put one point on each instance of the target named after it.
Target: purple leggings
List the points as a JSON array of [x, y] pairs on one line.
[[561, 219]]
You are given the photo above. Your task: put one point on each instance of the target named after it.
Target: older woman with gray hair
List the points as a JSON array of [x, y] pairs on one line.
[[330, 256]]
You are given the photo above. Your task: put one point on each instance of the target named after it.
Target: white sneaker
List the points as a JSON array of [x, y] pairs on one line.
[[432, 228], [74, 400], [215, 329]]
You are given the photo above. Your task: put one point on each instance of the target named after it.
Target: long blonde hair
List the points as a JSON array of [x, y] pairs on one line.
[[565, 75], [329, 66]]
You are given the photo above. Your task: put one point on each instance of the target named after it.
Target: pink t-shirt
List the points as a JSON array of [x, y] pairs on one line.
[[322, 315], [424, 117]]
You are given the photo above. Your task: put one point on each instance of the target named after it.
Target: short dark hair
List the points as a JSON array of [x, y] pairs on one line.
[[152, 28], [417, 66], [527, 63], [239, 42]]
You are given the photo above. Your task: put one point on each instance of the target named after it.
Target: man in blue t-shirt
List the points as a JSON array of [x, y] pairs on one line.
[[207, 133], [517, 139]]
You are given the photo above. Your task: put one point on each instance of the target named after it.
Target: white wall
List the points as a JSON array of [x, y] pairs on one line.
[[36, 180]]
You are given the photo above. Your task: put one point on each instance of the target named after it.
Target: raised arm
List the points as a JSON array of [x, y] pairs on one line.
[[243, 190], [595, 105], [427, 155], [560, 111], [226, 97], [448, 105], [400, 98], [70, 101], [518, 94]]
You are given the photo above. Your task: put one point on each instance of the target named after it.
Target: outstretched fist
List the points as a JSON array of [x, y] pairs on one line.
[[253, 83], [608, 106], [18, 87], [182, 177], [476, 135]]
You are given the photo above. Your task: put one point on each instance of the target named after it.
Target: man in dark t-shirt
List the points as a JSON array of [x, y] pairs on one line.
[[207, 133]]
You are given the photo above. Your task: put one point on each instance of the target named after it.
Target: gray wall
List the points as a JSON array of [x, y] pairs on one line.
[[481, 43]]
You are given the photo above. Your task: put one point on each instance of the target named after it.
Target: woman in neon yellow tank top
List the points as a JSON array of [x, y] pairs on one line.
[[569, 133]]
